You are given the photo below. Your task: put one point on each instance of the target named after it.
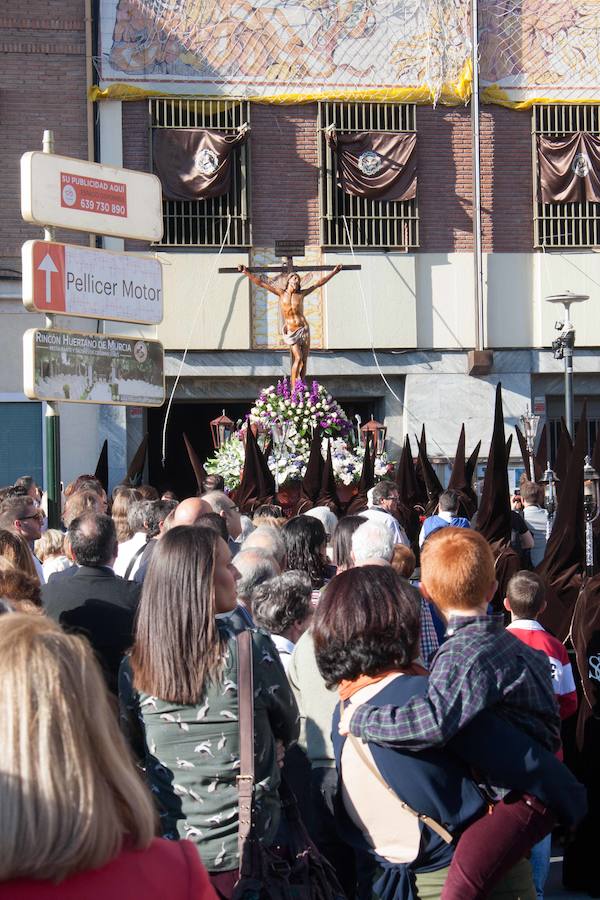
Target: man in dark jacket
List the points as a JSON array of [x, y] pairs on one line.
[[94, 601]]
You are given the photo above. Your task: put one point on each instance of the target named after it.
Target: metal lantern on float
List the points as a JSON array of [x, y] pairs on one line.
[[378, 432], [591, 504], [221, 430], [549, 480], [530, 424]]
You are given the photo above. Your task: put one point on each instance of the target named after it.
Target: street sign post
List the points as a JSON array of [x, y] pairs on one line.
[[85, 196], [64, 279], [77, 367]]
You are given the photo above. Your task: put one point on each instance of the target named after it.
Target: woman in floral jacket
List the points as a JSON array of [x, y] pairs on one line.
[[179, 701]]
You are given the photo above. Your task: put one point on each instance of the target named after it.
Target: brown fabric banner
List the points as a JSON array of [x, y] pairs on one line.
[[569, 168], [376, 164], [194, 163]]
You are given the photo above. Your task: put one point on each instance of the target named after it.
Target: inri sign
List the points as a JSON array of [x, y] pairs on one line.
[[97, 284]]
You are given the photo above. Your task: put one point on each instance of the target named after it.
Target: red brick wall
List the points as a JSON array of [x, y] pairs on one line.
[[42, 85], [445, 179], [136, 148], [285, 176]]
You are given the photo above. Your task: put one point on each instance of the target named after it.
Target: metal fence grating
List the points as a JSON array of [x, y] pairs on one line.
[[203, 223], [371, 223], [564, 224]]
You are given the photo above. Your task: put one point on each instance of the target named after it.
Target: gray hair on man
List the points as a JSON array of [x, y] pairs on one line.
[[137, 515], [280, 602], [217, 500], [254, 567], [328, 519], [269, 539], [372, 542]]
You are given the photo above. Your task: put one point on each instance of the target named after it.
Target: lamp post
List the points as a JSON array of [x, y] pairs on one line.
[[563, 347], [378, 432], [591, 497], [530, 424], [221, 430], [549, 481]]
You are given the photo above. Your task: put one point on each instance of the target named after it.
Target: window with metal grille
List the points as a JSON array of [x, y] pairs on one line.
[[371, 223], [205, 223], [564, 224]]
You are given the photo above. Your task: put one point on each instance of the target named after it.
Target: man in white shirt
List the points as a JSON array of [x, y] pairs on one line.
[[535, 518], [385, 505]]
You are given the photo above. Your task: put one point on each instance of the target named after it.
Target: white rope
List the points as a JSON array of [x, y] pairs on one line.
[[187, 346], [372, 341]]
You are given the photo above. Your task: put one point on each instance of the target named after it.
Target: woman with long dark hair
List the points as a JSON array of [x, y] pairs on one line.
[[306, 547], [342, 541], [181, 682]]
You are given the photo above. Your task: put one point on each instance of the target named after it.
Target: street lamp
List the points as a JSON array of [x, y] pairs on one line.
[[549, 480], [591, 498], [378, 432], [563, 347], [221, 430], [530, 424]]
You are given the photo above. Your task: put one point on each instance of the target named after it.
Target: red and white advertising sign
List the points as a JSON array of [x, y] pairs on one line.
[[97, 284], [85, 196], [93, 194]]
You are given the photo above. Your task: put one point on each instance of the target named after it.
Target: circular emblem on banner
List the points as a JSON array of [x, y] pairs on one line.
[[140, 351], [206, 161], [69, 194], [581, 165], [370, 162]]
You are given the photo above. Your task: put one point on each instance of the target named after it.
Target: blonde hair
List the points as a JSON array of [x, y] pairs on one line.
[[51, 543], [69, 792], [121, 506], [79, 503], [14, 549]]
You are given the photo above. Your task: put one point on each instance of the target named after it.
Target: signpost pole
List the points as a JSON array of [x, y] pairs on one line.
[[52, 414]]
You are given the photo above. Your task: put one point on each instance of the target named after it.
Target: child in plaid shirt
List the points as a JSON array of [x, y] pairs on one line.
[[480, 666]]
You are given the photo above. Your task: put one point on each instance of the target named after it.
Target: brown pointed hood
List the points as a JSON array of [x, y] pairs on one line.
[[255, 487], [541, 454], [433, 486], [408, 492], [471, 463], [563, 454], [563, 564], [359, 502], [136, 466], [101, 472], [493, 517], [327, 493], [199, 470], [524, 453], [585, 635], [311, 483], [459, 482]]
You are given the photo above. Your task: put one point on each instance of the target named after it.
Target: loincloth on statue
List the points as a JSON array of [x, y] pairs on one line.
[[298, 336]]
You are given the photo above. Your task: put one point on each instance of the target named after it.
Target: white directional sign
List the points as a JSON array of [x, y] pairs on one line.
[[75, 367], [65, 279], [85, 196]]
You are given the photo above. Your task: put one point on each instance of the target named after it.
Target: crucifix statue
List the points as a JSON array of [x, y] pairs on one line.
[[296, 331]]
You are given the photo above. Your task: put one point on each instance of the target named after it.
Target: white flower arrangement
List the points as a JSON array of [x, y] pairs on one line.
[[297, 412]]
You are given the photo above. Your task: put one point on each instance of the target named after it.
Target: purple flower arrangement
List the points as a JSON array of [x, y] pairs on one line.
[[303, 407]]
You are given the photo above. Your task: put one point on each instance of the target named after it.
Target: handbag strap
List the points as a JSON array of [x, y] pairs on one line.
[[427, 820], [245, 780]]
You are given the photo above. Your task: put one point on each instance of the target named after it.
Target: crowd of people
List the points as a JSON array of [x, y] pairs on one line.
[[418, 727]]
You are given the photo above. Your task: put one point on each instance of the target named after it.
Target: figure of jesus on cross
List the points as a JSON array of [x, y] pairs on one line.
[[296, 330]]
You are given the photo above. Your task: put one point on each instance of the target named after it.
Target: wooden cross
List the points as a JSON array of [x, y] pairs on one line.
[[287, 250]]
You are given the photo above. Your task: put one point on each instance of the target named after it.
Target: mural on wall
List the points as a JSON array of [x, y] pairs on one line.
[[260, 48], [266, 317]]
